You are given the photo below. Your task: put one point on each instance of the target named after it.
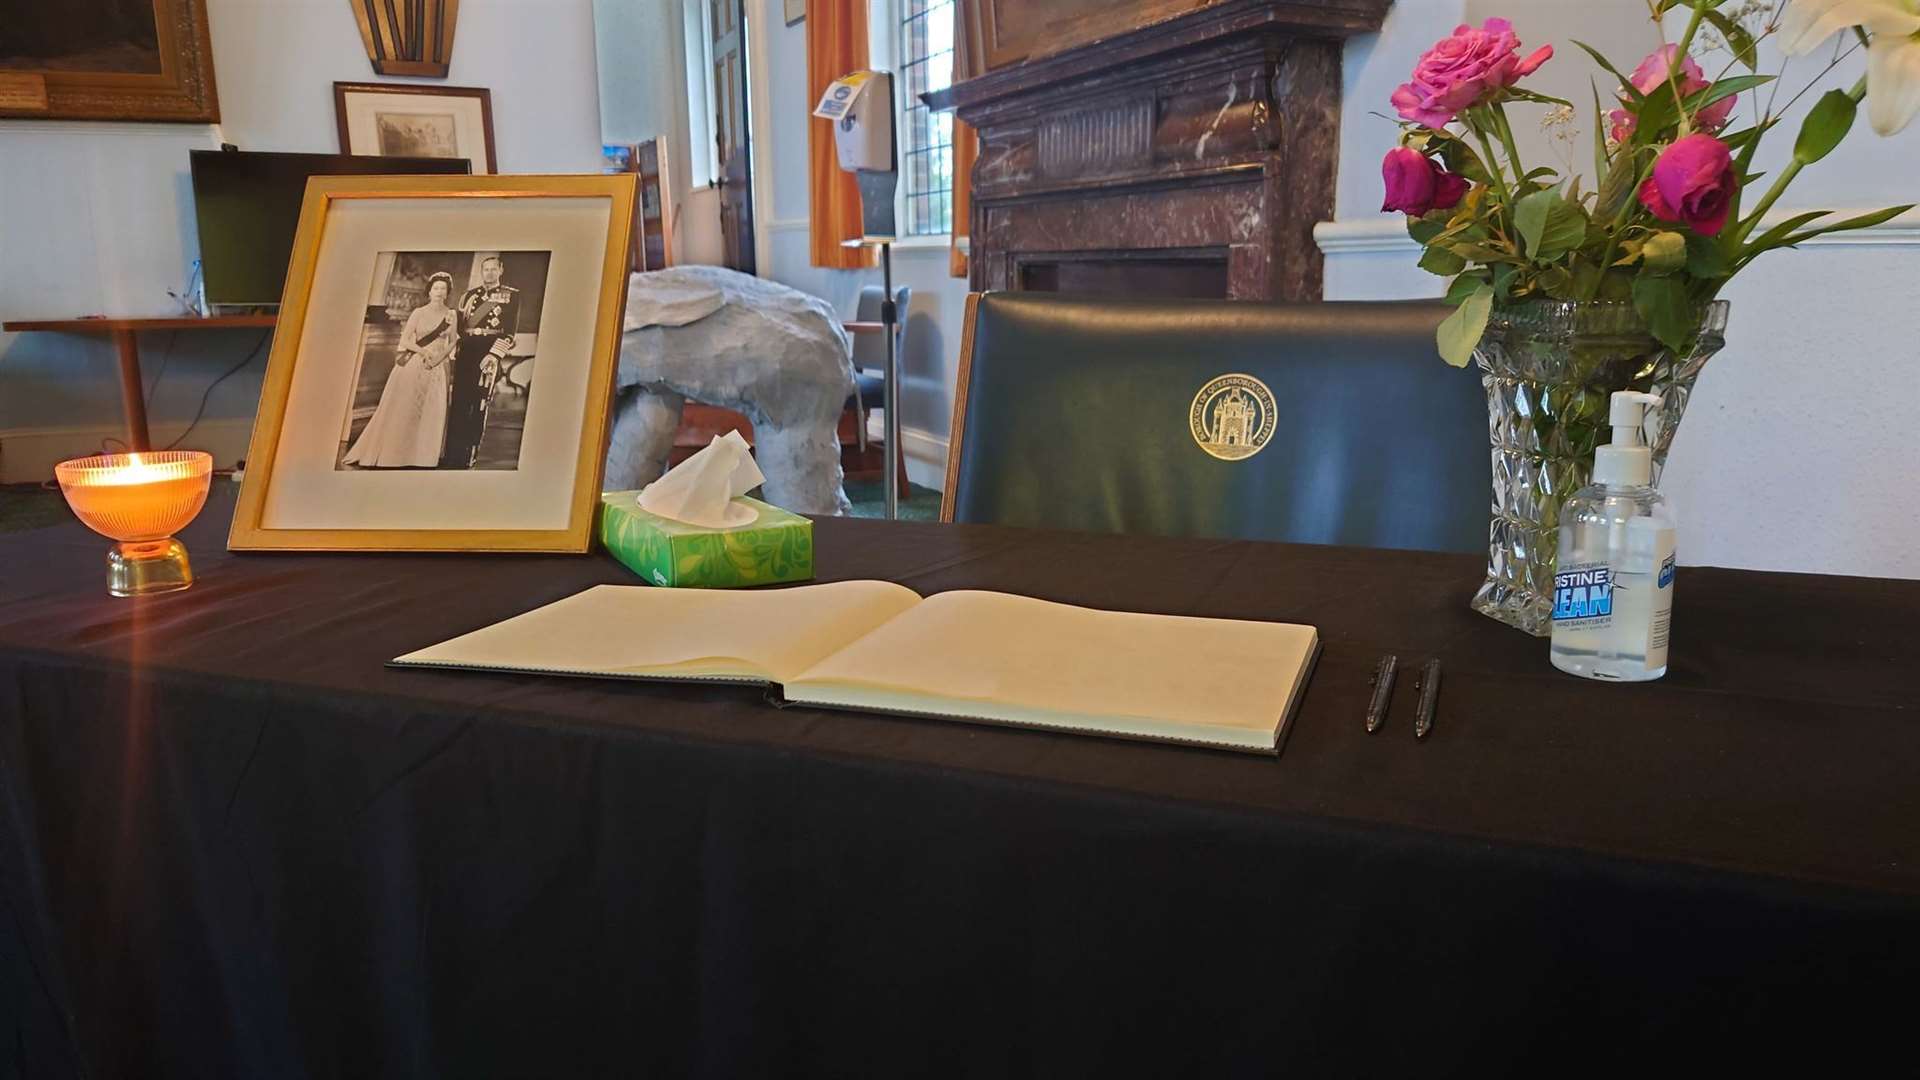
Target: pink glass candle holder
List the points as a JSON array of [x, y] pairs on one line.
[[140, 500]]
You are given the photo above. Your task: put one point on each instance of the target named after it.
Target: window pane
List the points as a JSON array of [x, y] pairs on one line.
[[926, 137]]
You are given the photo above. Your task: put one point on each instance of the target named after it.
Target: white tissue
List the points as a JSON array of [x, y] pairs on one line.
[[700, 490]]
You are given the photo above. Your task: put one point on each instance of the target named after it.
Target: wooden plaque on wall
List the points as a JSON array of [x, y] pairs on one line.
[[102, 60]]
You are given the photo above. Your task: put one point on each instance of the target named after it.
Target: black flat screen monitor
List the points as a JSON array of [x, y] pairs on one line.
[[247, 205]]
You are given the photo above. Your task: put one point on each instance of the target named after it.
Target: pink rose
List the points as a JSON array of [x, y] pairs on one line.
[[1693, 183], [1652, 72], [1464, 70], [1416, 185]]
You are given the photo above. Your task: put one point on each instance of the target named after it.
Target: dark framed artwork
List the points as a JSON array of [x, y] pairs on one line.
[[653, 210], [107, 60], [406, 120]]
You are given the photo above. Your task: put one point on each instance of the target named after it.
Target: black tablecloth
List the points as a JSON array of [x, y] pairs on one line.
[[234, 844]]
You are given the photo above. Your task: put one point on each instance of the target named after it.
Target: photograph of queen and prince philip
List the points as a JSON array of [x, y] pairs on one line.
[[446, 361]]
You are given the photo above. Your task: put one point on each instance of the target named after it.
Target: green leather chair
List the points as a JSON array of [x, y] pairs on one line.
[[1125, 416]]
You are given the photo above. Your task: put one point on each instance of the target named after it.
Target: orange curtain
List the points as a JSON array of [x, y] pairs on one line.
[[836, 44], [966, 147]]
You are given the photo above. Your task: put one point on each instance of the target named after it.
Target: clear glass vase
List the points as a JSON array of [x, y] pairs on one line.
[[1549, 368]]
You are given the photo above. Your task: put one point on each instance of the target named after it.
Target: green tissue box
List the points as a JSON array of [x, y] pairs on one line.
[[777, 547]]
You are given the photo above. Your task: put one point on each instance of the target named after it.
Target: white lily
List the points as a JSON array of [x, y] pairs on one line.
[[1893, 56]]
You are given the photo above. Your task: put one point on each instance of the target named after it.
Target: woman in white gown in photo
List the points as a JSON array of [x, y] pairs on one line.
[[410, 423]]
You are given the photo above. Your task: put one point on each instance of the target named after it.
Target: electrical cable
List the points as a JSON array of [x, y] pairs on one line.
[[166, 354], [234, 370]]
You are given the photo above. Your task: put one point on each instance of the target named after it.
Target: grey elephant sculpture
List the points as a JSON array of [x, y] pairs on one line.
[[725, 338]]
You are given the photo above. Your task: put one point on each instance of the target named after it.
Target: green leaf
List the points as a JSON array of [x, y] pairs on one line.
[[1599, 133], [1738, 39], [1534, 96], [1463, 286], [1826, 124], [1662, 301], [1530, 217], [1439, 260], [1748, 142], [1425, 229], [1659, 111], [1458, 157], [1864, 221], [1557, 282], [1664, 252], [1503, 280], [1777, 236], [1626, 84], [1619, 184], [1461, 331], [1566, 230], [1487, 254], [1725, 88], [1706, 258], [1549, 225]]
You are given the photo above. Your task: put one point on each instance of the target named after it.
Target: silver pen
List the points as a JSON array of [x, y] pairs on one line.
[[1382, 691], [1429, 697]]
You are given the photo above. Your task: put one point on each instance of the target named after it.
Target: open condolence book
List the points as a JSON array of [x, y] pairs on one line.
[[879, 647]]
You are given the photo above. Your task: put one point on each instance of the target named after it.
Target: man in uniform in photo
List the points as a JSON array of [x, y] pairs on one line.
[[488, 319]]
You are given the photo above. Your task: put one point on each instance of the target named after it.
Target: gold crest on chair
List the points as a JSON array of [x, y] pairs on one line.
[[1232, 417], [408, 37]]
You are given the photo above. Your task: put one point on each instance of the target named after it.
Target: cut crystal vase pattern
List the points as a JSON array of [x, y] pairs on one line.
[[1549, 368]]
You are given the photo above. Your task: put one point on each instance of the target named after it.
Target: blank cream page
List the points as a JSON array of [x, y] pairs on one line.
[[643, 630], [996, 656]]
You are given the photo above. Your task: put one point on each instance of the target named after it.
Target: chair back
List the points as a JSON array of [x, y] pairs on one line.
[[1116, 415], [870, 350]]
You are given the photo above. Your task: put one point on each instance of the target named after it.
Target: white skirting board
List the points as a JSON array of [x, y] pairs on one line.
[[926, 458], [28, 455]]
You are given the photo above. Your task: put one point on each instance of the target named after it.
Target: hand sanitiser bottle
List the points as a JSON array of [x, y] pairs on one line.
[[1613, 582]]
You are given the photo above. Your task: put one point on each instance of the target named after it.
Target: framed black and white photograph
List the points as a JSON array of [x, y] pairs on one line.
[[447, 360], [442, 371], [402, 120]]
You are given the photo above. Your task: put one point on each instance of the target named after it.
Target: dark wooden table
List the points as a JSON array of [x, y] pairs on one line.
[[125, 333], [233, 842]]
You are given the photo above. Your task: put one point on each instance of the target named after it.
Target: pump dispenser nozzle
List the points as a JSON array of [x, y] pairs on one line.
[[1628, 460]]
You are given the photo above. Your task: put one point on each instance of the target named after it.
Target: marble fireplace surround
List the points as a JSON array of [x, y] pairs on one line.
[[1190, 156]]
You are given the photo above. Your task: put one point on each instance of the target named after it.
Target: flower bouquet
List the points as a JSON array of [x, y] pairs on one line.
[[1566, 289]]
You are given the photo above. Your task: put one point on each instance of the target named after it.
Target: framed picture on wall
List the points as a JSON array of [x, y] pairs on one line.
[[442, 372], [795, 10], [107, 60], [400, 120]]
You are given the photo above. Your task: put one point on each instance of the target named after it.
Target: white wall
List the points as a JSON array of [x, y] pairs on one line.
[[98, 218], [1796, 452]]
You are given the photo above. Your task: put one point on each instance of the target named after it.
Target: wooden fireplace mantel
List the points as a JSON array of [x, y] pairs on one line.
[[1188, 155]]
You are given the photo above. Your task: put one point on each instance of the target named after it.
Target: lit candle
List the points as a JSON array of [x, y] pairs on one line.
[[141, 501]]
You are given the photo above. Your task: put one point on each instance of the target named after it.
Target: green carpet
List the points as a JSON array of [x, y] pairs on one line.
[[869, 499], [29, 506]]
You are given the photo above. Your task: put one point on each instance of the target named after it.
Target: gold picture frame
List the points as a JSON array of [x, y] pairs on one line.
[[448, 204], [78, 70]]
